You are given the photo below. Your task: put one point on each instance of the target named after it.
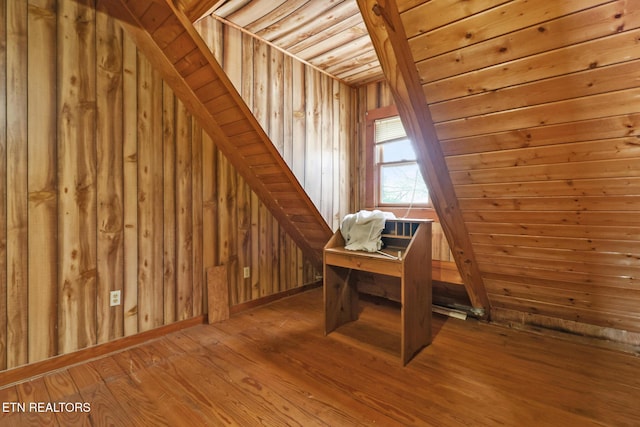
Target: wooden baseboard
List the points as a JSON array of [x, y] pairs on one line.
[[551, 326], [271, 298], [25, 372]]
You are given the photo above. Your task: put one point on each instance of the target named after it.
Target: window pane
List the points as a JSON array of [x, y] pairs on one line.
[[397, 151], [402, 184]]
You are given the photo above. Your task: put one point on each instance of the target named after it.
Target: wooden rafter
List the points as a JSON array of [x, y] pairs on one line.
[[198, 9], [387, 34], [171, 43]]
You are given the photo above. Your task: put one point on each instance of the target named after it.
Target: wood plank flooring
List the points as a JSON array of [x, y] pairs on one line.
[[272, 366]]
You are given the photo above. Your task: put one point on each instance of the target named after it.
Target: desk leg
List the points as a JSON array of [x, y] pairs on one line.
[[416, 299], [340, 297], [416, 318]]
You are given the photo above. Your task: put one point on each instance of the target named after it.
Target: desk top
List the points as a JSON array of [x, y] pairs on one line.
[[391, 253]]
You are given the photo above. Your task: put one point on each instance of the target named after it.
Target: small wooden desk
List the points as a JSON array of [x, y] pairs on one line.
[[412, 238]]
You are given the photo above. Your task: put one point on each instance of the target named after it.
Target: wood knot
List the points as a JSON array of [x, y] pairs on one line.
[[380, 11]]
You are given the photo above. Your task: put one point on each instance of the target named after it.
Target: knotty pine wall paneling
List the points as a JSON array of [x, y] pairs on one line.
[[150, 217], [300, 108], [130, 185], [539, 128], [309, 118], [110, 176], [4, 288], [210, 231], [42, 174], [169, 149], [195, 306], [16, 185], [77, 174], [183, 216], [107, 183]]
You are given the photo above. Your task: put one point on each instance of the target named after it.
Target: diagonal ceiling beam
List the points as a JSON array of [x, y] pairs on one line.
[[198, 9], [171, 43], [387, 33]]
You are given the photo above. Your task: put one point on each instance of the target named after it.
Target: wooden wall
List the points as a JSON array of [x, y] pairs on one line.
[[107, 183], [370, 97], [308, 115], [537, 112]]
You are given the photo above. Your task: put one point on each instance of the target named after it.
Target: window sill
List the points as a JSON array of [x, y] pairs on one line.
[[415, 213]]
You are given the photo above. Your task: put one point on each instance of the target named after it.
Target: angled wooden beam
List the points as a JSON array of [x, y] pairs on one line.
[[387, 34], [198, 9], [171, 43]]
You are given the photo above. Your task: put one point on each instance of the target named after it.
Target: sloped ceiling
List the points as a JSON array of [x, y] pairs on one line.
[[172, 44], [535, 106], [526, 115], [327, 34]]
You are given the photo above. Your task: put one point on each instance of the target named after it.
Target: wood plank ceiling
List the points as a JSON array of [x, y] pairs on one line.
[[327, 34]]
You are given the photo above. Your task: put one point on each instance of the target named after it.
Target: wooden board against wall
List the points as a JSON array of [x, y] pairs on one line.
[[209, 205], [270, 83]]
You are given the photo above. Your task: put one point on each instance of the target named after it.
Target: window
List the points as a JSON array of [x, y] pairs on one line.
[[397, 177]]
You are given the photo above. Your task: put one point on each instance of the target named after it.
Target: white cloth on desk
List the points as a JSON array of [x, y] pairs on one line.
[[361, 231]]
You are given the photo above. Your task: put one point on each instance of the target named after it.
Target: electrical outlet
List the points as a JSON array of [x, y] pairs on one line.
[[114, 298], [246, 272]]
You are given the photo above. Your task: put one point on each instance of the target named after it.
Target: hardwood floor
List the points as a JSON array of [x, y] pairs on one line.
[[272, 366]]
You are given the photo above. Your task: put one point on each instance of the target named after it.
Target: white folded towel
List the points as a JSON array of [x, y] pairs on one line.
[[361, 231]]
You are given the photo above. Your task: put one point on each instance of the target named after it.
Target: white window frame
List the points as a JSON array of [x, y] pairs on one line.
[[392, 133]]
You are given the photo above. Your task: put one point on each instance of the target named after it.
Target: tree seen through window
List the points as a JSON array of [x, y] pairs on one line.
[[399, 179]]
